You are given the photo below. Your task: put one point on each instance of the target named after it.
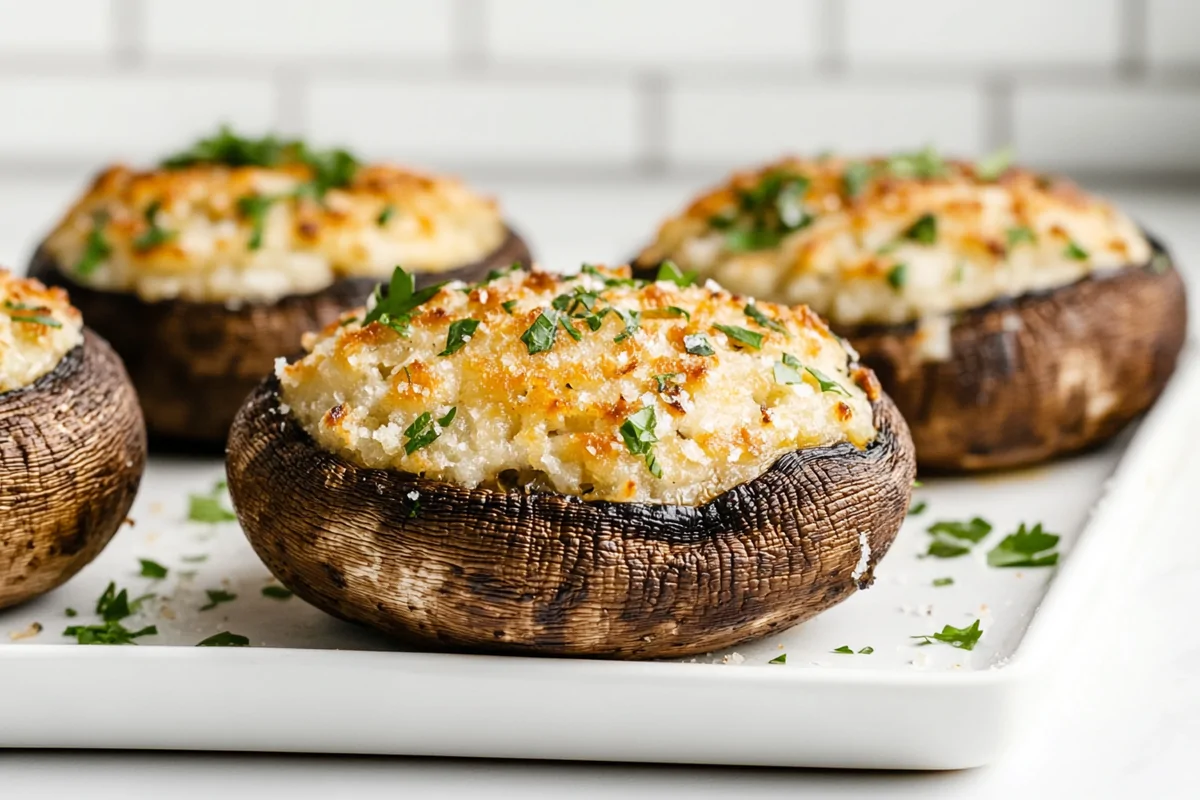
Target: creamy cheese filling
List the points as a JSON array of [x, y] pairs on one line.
[[593, 386], [38, 326], [891, 241]]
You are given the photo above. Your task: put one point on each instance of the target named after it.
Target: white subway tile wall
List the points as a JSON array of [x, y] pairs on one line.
[[604, 88]]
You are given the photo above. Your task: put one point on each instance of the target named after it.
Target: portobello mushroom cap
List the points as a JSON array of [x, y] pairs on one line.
[[1002, 379], [72, 452], [537, 571], [194, 363], [202, 270]]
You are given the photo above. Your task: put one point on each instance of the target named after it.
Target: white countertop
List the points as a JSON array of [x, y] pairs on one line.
[[1120, 715]]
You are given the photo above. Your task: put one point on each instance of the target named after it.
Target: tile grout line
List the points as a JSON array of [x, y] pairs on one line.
[[1133, 46], [127, 22]]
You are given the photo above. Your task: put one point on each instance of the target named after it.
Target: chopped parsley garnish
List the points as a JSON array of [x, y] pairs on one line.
[[1074, 252], [152, 569], [208, 508], [766, 212], [216, 597], [665, 380], [668, 271], [385, 216], [30, 319], [631, 319], [70, 612], [1021, 233], [917, 508], [570, 328], [1025, 548], [922, 164], [459, 334], [96, 249], [508, 306], [897, 276], [588, 269], [225, 639], [394, 308], [846, 650], [962, 638], [666, 312], [787, 371], [866, 651], [993, 165], [697, 344], [948, 536], [422, 432], [741, 335], [639, 436], [779, 659], [924, 230], [856, 177], [579, 302], [108, 633], [496, 274], [843, 649], [253, 208], [153, 235], [541, 334], [943, 581], [753, 312], [277, 592], [825, 383]]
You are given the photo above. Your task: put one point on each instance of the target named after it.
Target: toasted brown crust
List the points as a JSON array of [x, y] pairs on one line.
[[1039, 376], [194, 363], [72, 451], [550, 574]]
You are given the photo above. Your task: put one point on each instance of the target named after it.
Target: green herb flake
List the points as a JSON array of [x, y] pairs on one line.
[[1019, 234], [669, 271], [96, 248], [962, 638], [70, 612], [897, 276], [394, 307], [866, 651], [944, 548], [570, 328], [632, 321], [154, 235], [541, 334], [974, 530], [253, 208], [856, 177], [216, 597], [508, 306], [208, 508], [697, 344], [152, 569], [1028, 547], [385, 216], [639, 436], [923, 231], [36, 319], [108, 633], [755, 313], [459, 334], [824, 382], [423, 432], [665, 380], [943, 582], [917, 508], [741, 335], [844, 649], [1074, 252], [277, 592], [787, 371], [225, 639], [779, 659], [995, 164], [923, 164]]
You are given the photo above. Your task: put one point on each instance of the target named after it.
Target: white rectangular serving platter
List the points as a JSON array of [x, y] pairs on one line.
[[310, 683]]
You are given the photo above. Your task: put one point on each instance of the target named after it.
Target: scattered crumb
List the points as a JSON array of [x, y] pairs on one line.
[[166, 612], [781, 646], [152, 537], [733, 658], [156, 508], [33, 630], [130, 522]]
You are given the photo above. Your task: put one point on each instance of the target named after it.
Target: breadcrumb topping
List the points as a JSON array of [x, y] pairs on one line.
[[593, 385], [894, 240], [220, 233], [38, 326]]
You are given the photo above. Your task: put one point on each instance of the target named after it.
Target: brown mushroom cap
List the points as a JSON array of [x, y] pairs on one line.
[[194, 363], [72, 451], [550, 574], [1038, 376]]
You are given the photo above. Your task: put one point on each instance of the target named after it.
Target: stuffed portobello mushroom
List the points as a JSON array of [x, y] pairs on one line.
[[203, 269], [72, 442], [1012, 317], [585, 465]]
